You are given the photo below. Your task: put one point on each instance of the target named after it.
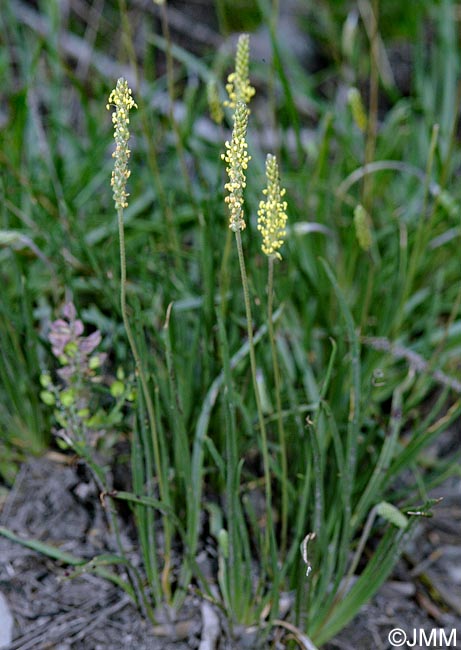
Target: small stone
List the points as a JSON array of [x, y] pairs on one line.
[[6, 623]]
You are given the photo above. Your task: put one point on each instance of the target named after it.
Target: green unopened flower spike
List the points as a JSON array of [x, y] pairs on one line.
[[123, 102], [214, 105], [237, 160], [238, 84], [272, 217], [363, 228], [357, 109]]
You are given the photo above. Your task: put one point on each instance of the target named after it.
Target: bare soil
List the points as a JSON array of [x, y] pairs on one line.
[[51, 502]]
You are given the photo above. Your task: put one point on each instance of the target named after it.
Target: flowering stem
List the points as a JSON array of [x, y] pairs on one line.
[[281, 429], [224, 274], [110, 510], [165, 587], [262, 426]]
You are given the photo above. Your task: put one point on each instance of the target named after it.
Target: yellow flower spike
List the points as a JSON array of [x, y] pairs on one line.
[[238, 83], [121, 99], [237, 160], [272, 215]]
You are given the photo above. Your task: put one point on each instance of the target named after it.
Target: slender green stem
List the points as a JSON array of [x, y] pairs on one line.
[[235, 566], [370, 146], [421, 232], [143, 475], [368, 296], [149, 404], [423, 225], [262, 426], [111, 513], [224, 274], [281, 428]]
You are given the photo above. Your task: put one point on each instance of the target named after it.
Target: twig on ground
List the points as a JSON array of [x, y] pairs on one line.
[[416, 361], [210, 627]]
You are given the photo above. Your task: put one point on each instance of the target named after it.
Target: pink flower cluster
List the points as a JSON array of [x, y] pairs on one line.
[[73, 350]]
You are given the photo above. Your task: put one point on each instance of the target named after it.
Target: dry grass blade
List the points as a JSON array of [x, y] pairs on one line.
[[302, 639]]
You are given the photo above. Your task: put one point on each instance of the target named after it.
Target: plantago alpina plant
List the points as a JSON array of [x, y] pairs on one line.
[[237, 159], [199, 450], [121, 99], [272, 220]]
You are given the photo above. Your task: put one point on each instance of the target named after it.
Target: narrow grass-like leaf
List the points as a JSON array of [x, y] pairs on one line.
[[374, 575], [93, 566]]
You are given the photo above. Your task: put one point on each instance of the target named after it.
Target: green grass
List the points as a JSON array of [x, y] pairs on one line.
[[356, 405]]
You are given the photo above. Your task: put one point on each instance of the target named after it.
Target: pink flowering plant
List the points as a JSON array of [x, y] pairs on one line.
[[80, 418]]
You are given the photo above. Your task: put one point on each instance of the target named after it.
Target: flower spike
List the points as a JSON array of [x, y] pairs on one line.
[[237, 160], [123, 102], [272, 216], [238, 84]]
